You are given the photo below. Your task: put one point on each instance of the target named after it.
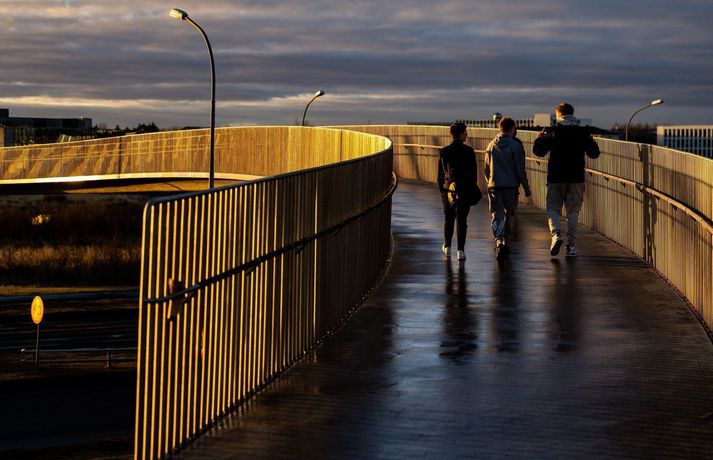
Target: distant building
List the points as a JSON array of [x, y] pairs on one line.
[[30, 130], [544, 119], [697, 139]]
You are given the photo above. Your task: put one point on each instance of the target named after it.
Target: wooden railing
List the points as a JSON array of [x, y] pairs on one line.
[[657, 202]]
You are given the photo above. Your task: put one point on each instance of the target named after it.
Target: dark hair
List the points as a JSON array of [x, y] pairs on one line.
[[565, 109], [506, 124], [457, 129]]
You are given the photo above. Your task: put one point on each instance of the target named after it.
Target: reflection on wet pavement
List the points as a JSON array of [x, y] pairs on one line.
[[595, 357]]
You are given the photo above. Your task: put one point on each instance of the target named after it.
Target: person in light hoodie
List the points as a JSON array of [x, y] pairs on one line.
[[505, 172]]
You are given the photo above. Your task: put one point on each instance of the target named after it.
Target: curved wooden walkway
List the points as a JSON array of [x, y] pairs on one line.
[[540, 358]]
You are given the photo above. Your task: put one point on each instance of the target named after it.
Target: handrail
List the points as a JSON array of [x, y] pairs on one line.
[[703, 220], [423, 146], [251, 265], [264, 179], [680, 249]]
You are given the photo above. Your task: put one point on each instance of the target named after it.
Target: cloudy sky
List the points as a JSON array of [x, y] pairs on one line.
[[379, 61]]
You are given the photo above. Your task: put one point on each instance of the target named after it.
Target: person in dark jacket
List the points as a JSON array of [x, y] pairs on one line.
[[505, 171], [567, 143], [457, 160]]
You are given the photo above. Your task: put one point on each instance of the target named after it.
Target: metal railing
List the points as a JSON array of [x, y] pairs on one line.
[[79, 355], [657, 202], [239, 282], [240, 154]]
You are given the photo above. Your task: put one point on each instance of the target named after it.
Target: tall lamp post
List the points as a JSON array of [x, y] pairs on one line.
[[182, 15], [316, 95], [650, 104]]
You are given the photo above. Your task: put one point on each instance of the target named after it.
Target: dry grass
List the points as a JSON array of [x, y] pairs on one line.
[[85, 241], [95, 264]]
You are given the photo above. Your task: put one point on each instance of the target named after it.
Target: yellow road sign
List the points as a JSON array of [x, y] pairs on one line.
[[37, 310]]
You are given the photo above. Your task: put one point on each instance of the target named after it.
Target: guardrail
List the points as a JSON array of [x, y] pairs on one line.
[[240, 153], [656, 202], [238, 283], [80, 355]]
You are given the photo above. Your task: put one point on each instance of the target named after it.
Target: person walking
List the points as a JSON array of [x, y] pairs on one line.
[[505, 171], [457, 170], [567, 143]]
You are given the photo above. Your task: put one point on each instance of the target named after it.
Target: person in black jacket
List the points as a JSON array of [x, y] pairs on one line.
[[457, 161], [567, 144]]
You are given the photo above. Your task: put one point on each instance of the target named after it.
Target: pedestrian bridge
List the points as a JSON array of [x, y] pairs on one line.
[[602, 356]]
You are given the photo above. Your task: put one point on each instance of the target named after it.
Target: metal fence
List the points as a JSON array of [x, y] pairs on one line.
[[239, 282], [241, 153], [657, 202]]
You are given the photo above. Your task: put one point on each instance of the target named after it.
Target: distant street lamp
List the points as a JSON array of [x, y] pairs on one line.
[[650, 104], [316, 95], [182, 15]]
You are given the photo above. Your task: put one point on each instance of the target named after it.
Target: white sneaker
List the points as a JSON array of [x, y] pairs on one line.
[[446, 250], [461, 255], [556, 245]]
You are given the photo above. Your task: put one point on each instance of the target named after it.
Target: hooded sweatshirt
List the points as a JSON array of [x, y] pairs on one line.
[[505, 164], [567, 144]]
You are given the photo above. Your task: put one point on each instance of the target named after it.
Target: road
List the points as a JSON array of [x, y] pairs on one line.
[[67, 410], [82, 323]]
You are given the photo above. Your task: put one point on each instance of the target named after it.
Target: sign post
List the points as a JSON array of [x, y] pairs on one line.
[[37, 311]]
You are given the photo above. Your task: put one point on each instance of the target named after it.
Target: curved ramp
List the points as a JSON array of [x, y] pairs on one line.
[[592, 358]]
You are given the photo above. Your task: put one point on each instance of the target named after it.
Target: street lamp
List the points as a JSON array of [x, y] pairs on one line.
[[316, 95], [650, 104], [182, 15]]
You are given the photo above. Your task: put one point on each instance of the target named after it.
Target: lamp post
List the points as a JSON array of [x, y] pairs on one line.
[[650, 104], [182, 15], [316, 95]]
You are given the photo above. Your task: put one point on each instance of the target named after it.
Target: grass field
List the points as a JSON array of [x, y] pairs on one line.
[[72, 241]]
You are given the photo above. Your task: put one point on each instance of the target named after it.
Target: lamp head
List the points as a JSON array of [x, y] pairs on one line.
[[178, 14], [319, 93], [657, 102]]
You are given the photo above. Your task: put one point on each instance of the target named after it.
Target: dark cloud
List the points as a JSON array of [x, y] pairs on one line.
[[379, 61]]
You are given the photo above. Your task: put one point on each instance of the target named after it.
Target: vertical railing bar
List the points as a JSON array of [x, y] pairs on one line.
[[221, 301], [162, 390], [147, 257], [153, 445], [233, 297], [212, 313], [201, 348]]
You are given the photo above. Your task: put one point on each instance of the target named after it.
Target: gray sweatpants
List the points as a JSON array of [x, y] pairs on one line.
[[503, 206], [571, 196]]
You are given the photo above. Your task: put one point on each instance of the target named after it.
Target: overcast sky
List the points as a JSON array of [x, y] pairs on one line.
[[379, 61]]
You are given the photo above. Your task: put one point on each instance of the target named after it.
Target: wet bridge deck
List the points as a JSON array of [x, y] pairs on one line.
[[541, 358]]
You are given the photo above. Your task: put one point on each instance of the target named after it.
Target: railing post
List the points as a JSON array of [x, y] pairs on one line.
[[648, 204]]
